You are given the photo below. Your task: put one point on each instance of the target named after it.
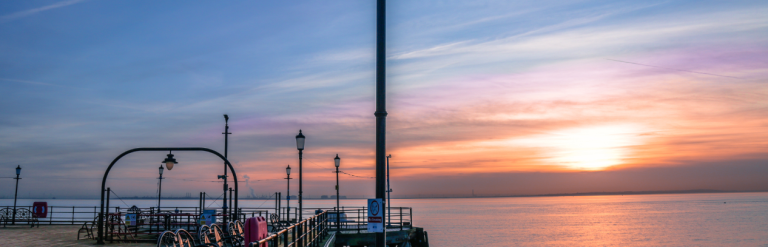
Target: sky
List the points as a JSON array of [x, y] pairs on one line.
[[485, 97]]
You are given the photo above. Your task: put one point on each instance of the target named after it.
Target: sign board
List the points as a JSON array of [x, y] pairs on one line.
[[375, 215], [207, 217], [40, 209], [130, 219]]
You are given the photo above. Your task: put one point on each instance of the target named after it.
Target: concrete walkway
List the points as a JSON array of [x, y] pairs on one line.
[[47, 236]]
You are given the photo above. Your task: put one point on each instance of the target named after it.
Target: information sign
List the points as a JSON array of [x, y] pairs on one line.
[[130, 219], [207, 217], [375, 215]]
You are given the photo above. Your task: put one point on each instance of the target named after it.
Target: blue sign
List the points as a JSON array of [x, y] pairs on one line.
[[208, 218]]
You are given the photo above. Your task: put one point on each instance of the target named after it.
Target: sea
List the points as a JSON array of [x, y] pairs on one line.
[[713, 219]]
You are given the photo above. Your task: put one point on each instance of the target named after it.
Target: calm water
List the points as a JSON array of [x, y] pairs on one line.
[[638, 220]]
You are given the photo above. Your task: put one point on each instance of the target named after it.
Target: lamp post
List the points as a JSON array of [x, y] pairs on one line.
[[300, 147], [18, 172], [288, 197], [160, 188], [337, 162], [169, 162]]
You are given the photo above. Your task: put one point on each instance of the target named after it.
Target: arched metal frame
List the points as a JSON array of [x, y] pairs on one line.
[[106, 173]]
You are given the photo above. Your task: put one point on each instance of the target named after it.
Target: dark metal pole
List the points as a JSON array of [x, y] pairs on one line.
[[338, 213], [159, 193], [108, 194], [381, 111], [13, 222], [226, 147], [389, 198], [301, 189], [288, 199]]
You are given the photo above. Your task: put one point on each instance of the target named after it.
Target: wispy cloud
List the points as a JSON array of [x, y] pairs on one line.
[[31, 82], [29, 12], [507, 89], [695, 72]]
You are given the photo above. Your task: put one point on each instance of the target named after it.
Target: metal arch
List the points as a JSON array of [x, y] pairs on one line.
[[106, 173]]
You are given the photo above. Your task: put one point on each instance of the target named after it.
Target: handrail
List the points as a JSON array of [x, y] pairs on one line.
[[315, 230]]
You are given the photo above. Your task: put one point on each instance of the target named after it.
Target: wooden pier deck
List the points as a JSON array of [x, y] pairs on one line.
[[53, 235]]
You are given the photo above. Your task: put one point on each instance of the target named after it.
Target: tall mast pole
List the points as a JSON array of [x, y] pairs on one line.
[[381, 111], [389, 197], [226, 147]]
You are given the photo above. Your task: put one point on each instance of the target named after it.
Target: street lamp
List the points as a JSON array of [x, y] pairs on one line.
[[288, 198], [160, 187], [169, 162], [337, 162], [300, 146], [18, 172]]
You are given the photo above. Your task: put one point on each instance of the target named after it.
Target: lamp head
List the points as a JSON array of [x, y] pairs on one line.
[[169, 161], [161, 170], [288, 170], [337, 160], [18, 170], [226, 118], [300, 141]]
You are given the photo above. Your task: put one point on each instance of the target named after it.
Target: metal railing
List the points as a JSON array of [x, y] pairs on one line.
[[356, 216], [355, 219], [64, 215], [308, 232]]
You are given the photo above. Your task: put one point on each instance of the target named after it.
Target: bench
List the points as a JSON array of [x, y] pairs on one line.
[[23, 215]]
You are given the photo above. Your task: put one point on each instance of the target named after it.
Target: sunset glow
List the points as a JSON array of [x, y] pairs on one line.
[[587, 148], [581, 96]]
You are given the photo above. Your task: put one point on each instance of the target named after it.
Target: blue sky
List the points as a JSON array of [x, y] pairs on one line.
[[474, 88]]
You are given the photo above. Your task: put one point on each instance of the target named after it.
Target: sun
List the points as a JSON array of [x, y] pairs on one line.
[[586, 148]]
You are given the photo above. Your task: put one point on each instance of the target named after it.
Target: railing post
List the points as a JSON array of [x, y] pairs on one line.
[[50, 219], [73, 215], [305, 236], [293, 230], [312, 232], [401, 218], [297, 233]]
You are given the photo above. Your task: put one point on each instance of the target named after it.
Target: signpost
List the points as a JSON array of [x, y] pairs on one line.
[[375, 215]]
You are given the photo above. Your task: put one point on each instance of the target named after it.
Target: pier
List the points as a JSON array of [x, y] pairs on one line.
[[134, 226]]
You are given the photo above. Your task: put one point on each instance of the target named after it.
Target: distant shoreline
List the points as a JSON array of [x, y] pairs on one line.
[[699, 191]]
